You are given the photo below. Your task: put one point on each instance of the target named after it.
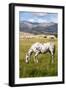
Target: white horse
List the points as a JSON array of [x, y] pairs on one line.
[[38, 48]]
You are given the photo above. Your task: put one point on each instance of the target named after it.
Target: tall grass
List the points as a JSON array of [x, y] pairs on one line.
[[44, 67]]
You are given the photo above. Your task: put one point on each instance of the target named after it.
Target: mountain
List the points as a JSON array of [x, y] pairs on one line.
[[38, 28]]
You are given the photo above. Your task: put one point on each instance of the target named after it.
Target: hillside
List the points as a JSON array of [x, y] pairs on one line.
[[38, 28]]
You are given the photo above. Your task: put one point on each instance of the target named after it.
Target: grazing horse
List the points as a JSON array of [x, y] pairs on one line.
[[38, 48]]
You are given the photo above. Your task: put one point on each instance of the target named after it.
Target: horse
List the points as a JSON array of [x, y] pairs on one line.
[[38, 48]]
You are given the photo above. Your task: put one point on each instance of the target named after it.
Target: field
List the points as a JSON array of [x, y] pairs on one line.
[[44, 68]]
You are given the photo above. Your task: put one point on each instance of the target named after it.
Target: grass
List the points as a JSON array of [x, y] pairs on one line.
[[44, 68]]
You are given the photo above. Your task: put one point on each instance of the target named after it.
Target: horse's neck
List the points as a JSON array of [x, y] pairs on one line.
[[30, 52]]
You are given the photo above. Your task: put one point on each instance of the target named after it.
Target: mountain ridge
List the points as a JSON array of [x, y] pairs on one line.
[[38, 28]]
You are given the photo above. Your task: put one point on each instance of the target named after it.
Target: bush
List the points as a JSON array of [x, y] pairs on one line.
[[45, 36]]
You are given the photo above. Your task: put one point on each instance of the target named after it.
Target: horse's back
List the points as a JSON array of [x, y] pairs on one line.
[[36, 46], [42, 47]]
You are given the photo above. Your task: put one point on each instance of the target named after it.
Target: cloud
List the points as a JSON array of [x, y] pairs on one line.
[[54, 20], [31, 20], [39, 20], [39, 14], [42, 20]]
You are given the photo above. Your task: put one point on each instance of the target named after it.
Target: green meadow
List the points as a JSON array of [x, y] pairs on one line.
[[44, 68]]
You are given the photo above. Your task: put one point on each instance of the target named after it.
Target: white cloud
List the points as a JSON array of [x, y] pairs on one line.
[[31, 20], [39, 14], [55, 20], [37, 20], [41, 20]]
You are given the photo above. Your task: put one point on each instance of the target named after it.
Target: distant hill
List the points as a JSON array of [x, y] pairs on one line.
[[38, 28]]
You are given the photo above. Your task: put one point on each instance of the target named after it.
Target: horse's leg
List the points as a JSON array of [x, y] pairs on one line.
[[51, 52], [52, 57], [36, 57]]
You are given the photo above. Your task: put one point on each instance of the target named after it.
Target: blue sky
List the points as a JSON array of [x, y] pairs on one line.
[[38, 17]]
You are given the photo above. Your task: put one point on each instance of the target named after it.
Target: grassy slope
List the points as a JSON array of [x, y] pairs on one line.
[[43, 68]]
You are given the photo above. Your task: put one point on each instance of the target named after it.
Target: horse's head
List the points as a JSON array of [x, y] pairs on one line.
[[27, 58], [28, 55]]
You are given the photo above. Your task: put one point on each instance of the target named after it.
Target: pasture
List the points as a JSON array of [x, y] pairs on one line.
[[44, 68]]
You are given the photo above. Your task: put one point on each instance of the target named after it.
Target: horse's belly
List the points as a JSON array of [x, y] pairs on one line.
[[44, 50]]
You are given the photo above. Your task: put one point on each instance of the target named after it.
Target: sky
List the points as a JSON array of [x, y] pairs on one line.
[[38, 17]]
